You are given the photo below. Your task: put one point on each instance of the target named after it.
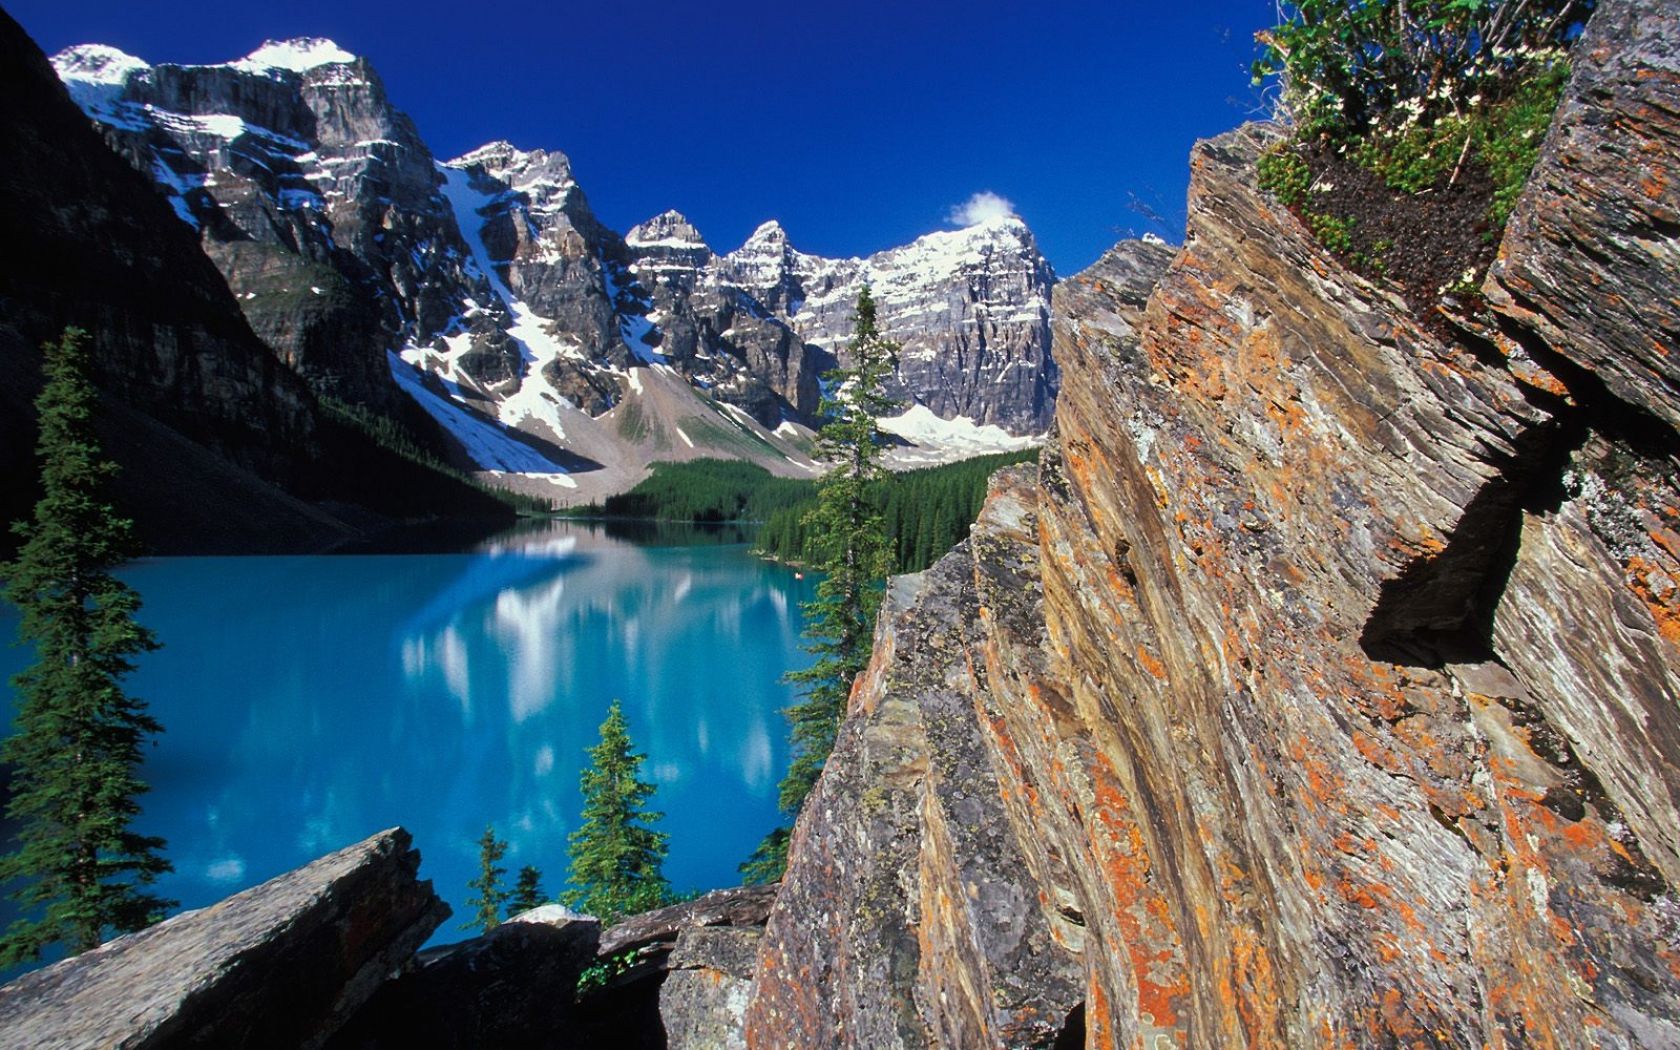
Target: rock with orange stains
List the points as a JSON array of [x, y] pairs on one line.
[[1372, 642], [1342, 707], [703, 1001], [910, 917]]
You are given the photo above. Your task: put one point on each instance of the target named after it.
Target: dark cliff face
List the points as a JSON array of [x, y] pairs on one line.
[[89, 242], [1347, 714], [222, 447]]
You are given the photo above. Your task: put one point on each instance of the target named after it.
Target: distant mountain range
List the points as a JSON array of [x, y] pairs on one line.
[[549, 348], [222, 447]]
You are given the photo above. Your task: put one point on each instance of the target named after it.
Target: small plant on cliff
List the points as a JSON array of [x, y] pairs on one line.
[[1351, 68], [1391, 100], [850, 547], [75, 752], [486, 907], [616, 856]]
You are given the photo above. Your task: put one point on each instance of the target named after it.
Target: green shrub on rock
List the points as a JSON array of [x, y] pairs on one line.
[[1389, 101]]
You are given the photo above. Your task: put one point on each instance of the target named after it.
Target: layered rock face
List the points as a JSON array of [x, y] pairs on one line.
[[1351, 718], [313, 195], [719, 337], [912, 914], [283, 964], [1609, 182]]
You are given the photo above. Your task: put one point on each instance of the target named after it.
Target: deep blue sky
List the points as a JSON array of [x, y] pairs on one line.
[[859, 126]]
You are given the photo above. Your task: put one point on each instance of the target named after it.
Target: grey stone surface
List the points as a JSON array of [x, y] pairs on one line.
[[738, 906], [910, 915], [703, 1001], [1588, 265], [283, 964]]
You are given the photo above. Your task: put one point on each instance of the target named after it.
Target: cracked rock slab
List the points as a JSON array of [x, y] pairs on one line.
[[282, 964]]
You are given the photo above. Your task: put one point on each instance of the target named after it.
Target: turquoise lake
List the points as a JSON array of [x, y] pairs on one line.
[[311, 701]]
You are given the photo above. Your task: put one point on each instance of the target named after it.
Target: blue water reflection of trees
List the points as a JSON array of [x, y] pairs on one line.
[[310, 701]]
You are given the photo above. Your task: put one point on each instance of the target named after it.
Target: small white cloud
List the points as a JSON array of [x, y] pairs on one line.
[[545, 760], [983, 207], [228, 869]]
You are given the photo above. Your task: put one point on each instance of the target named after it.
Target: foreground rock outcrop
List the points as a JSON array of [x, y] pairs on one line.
[[911, 916], [1333, 698], [513, 987], [677, 976], [283, 964]]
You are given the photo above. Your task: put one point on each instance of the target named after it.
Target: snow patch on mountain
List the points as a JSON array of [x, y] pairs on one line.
[[296, 56], [919, 426], [97, 64], [96, 76], [487, 442], [537, 346]]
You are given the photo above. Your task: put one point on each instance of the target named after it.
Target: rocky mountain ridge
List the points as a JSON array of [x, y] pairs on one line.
[[517, 319], [223, 447]]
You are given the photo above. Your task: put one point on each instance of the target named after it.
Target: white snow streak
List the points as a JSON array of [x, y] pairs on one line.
[[537, 347], [486, 442], [297, 56]]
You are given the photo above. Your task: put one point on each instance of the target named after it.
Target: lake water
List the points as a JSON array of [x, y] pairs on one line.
[[311, 701]]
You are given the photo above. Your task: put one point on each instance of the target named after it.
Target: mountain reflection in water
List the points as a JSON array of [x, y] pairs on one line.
[[310, 701]]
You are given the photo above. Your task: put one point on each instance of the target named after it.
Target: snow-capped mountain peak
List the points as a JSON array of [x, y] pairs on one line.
[[668, 229], [97, 64], [768, 233], [96, 75], [486, 288], [298, 55], [500, 155]]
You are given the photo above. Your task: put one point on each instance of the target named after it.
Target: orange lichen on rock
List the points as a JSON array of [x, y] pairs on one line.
[[1660, 592]]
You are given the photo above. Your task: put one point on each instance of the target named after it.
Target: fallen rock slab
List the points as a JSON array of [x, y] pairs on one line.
[[738, 906], [282, 964]]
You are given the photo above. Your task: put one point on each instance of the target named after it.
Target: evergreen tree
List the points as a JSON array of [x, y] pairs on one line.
[[616, 856], [76, 745], [527, 891], [851, 548], [768, 861], [487, 906]]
